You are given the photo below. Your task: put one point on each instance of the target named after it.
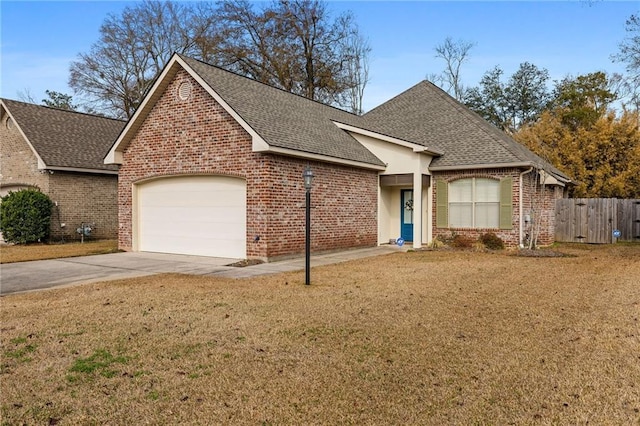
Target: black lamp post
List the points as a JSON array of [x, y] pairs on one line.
[[308, 178]]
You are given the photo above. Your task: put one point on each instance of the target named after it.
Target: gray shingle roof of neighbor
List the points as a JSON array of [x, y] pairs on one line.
[[66, 139], [285, 120], [426, 115]]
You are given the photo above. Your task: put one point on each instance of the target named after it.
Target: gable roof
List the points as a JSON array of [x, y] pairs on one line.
[[427, 115], [282, 122], [286, 120], [278, 121], [65, 140]]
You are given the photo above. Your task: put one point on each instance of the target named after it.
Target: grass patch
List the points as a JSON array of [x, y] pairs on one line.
[[430, 337], [41, 251], [100, 362]]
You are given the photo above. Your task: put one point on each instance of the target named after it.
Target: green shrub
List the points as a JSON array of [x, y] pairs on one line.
[[25, 216], [491, 241]]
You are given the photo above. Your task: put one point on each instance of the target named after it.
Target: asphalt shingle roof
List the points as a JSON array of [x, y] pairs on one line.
[[426, 115], [66, 138], [286, 120], [423, 114]]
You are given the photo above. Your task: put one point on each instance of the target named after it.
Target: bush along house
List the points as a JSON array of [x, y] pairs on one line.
[[211, 164]]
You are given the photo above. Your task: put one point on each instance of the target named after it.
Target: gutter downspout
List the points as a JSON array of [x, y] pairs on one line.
[[521, 199]]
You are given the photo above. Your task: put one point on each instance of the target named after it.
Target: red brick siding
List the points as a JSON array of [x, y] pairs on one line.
[[343, 207], [540, 201], [197, 136], [511, 237]]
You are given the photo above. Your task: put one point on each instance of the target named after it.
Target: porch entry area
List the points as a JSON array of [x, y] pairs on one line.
[[404, 208]]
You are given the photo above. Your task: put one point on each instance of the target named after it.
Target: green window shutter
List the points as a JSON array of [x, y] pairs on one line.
[[506, 203], [442, 204]]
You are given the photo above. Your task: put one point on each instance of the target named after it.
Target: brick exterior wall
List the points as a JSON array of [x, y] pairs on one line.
[[536, 199], [84, 197], [80, 196], [197, 136], [18, 163]]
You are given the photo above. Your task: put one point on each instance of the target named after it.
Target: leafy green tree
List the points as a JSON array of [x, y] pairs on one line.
[[512, 104], [527, 93], [25, 216], [583, 99], [59, 100]]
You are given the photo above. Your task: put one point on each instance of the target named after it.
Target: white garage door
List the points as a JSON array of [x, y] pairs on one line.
[[198, 215]]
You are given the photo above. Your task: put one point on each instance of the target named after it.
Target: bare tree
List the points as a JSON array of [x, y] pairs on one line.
[[25, 95], [454, 54], [358, 70], [294, 45], [297, 46], [629, 54], [133, 47]]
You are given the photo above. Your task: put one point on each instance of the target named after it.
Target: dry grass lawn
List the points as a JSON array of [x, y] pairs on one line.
[[425, 338], [24, 253]]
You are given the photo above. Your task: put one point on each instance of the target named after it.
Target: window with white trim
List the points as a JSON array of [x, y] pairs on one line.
[[474, 203]]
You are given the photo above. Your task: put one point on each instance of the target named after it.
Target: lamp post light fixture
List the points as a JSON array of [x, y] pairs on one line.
[[308, 178]]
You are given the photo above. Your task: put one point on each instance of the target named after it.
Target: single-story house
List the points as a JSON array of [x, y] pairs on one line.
[[61, 153], [212, 163]]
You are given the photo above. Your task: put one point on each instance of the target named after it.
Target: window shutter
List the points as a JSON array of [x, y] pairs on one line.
[[442, 204], [506, 203]]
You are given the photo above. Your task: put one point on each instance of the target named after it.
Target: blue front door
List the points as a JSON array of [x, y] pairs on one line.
[[406, 214]]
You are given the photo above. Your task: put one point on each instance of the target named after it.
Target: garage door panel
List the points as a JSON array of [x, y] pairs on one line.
[[185, 198], [216, 214], [211, 231], [199, 215]]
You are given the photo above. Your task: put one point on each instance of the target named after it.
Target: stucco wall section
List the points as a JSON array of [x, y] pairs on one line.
[[197, 136]]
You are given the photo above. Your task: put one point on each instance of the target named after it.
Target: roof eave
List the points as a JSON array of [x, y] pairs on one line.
[[81, 170], [319, 157], [408, 144], [562, 179], [482, 166]]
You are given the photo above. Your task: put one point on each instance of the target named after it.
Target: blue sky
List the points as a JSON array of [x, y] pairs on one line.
[[39, 39]]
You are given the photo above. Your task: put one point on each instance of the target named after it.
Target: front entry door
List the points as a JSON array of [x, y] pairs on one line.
[[406, 214]]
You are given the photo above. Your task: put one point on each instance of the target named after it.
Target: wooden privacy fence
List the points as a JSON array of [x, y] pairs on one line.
[[594, 220]]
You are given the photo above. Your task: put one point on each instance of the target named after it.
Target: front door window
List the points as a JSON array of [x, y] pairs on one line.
[[406, 213]]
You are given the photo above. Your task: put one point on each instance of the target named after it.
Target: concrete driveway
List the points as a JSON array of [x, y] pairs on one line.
[[28, 276], [41, 274]]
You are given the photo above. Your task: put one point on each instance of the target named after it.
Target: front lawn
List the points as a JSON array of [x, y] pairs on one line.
[[41, 251], [408, 338]]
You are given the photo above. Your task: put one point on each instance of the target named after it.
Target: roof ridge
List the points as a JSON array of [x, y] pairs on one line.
[[508, 142], [486, 127], [266, 85], [395, 97], [88, 114]]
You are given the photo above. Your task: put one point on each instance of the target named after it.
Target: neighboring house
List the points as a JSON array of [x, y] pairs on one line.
[[211, 164], [61, 153]]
